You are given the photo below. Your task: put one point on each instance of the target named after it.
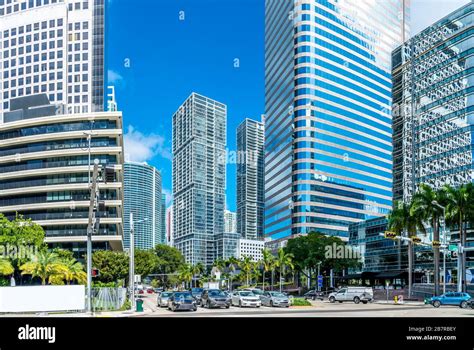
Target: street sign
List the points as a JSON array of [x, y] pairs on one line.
[[453, 248], [320, 281], [390, 235]]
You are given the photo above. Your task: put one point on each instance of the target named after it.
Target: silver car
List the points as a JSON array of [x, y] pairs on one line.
[[275, 299], [245, 298], [162, 299]]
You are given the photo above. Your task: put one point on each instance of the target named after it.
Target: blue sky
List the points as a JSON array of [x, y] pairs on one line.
[[156, 59]]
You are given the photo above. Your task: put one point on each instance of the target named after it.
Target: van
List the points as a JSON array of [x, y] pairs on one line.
[[355, 294]]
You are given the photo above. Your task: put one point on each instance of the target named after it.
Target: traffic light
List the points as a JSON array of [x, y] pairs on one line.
[[416, 240], [436, 244], [390, 235], [95, 273], [109, 174]]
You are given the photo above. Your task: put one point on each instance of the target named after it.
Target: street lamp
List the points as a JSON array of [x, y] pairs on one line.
[[132, 259], [435, 203]]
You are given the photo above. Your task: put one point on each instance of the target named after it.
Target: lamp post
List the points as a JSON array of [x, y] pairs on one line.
[[132, 260]]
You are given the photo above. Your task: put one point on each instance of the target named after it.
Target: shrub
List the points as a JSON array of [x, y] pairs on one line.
[[300, 302]]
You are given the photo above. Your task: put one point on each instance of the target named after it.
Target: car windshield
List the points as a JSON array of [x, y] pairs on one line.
[[197, 290], [216, 293], [166, 294], [246, 294], [278, 295], [183, 295], [257, 292]]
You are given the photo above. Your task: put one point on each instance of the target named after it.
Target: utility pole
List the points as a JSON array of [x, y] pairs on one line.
[[132, 263], [90, 231]]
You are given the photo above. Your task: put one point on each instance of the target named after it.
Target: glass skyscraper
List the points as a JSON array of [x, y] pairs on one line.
[[199, 174], [433, 106], [328, 158], [250, 179], [143, 198]]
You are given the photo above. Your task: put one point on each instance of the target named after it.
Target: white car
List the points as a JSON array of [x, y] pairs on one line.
[[245, 298], [355, 294]]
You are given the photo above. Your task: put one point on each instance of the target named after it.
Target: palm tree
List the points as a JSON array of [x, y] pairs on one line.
[[45, 265], [197, 270], [6, 268], [282, 261], [246, 265], [459, 207], [220, 264], [75, 272], [401, 222], [425, 206], [185, 274], [232, 264], [267, 264]]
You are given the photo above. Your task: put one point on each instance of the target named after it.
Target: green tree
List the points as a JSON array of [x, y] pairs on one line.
[[45, 265], [402, 222], [459, 204], [169, 261], [146, 262], [197, 270], [113, 266], [63, 254], [283, 260], [6, 268], [246, 265], [267, 264], [425, 205], [185, 274], [75, 271]]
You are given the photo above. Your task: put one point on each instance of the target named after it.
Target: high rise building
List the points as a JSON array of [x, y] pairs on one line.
[[143, 194], [169, 226], [230, 221], [163, 239], [328, 158], [44, 167], [199, 174], [432, 99], [250, 179], [56, 48]]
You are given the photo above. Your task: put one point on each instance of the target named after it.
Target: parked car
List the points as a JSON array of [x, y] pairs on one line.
[[256, 291], [150, 290], [245, 298], [162, 299], [215, 298], [460, 299], [197, 294], [355, 294], [274, 299], [182, 301], [313, 295]]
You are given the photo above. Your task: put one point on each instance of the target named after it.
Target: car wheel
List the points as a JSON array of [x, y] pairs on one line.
[[332, 300], [364, 302], [313, 298], [271, 303], [195, 308], [463, 305], [356, 300], [227, 306], [436, 303], [209, 304], [240, 303]]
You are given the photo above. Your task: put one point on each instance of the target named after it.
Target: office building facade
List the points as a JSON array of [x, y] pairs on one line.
[[56, 48], [250, 179], [199, 175], [433, 105], [328, 157], [250, 248], [142, 197], [44, 167]]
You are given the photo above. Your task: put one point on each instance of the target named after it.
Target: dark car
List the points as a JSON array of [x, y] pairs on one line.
[[215, 298], [197, 293], [182, 301], [313, 295]]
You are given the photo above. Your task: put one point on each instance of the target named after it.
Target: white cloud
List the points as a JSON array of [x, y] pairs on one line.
[[114, 77], [142, 148]]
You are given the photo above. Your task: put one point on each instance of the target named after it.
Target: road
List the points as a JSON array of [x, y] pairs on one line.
[[318, 309]]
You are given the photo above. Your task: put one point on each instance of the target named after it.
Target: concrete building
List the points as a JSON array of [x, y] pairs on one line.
[[250, 248], [44, 167], [55, 48], [199, 175], [230, 222]]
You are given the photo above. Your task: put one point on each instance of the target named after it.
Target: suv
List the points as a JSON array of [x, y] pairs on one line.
[[215, 298]]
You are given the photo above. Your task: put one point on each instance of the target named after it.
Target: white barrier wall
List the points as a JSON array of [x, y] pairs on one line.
[[42, 298]]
